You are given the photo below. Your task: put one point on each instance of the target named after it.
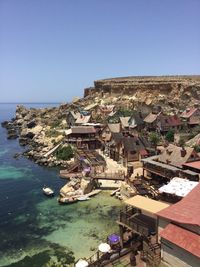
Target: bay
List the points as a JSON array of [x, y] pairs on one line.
[[35, 230]]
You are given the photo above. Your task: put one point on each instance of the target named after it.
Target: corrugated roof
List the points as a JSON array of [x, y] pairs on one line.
[[183, 238], [185, 211], [146, 204]]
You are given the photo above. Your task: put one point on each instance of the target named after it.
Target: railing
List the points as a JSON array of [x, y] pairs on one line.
[[81, 139], [136, 221], [160, 171], [99, 259], [109, 176]]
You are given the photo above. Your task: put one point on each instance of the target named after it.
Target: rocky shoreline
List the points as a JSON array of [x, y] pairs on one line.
[[35, 131]]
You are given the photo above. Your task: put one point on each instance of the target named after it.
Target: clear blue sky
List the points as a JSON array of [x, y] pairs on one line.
[[50, 50]]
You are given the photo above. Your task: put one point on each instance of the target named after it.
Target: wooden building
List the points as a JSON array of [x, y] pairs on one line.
[[191, 117], [171, 163], [83, 137], [179, 231], [127, 148], [138, 221]]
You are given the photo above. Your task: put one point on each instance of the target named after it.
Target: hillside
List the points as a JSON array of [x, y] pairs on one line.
[[170, 92]]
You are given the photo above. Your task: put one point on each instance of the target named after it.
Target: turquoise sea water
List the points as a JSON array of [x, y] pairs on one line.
[[35, 230]]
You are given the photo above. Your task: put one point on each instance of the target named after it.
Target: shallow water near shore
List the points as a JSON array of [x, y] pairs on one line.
[[37, 231]]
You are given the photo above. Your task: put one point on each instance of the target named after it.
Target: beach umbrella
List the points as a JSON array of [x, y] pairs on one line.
[[82, 263], [114, 238], [104, 247]]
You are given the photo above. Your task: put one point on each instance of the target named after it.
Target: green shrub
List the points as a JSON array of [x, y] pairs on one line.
[[64, 153], [56, 124], [170, 136], [52, 133], [197, 148], [154, 138], [181, 142]]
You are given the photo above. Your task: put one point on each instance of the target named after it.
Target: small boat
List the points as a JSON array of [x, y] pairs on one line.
[[48, 191], [83, 198], [67, 200]]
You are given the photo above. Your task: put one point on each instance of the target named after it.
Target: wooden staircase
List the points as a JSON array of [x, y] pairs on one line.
[[151, 253]]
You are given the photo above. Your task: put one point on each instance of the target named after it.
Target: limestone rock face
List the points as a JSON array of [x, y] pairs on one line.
[[126, 190], [86, 186], [167, 91]]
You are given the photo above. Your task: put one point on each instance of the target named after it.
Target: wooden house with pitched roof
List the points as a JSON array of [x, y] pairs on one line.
[[191, 116]]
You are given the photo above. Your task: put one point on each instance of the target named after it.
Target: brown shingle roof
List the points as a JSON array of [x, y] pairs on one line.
[[172, 155]]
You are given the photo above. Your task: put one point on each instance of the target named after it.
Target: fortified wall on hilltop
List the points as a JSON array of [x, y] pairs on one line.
[[176, 89]]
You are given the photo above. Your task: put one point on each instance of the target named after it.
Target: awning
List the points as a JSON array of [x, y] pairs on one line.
[[146, 204]]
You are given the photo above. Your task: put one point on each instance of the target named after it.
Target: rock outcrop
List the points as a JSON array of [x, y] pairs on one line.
[[166, 91]]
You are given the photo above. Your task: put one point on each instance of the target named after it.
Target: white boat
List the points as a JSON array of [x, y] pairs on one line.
[[83, 198], [48, 191]]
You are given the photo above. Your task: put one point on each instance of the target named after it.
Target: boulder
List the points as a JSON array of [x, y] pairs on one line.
[[31, 124], [86, 186], [4, 124], [12, 134]]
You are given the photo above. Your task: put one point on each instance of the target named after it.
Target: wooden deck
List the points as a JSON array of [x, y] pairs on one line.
[[109, 176]]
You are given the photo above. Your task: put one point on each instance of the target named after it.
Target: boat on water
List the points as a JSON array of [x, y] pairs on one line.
[[48, 191], [83, 198], [67, 200]]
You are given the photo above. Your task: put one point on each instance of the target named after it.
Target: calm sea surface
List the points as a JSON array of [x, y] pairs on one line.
[[35, 230]]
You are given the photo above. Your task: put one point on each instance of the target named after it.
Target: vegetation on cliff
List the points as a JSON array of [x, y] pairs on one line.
[[64, 153]]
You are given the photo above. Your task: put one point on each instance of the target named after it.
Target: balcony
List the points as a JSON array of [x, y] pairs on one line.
[[161, 169], [137, 222]]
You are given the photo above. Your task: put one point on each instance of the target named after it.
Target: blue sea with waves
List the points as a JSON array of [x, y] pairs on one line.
[[35, 230]]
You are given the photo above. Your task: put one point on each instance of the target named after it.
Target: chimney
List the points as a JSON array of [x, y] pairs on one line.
[[183, 152]]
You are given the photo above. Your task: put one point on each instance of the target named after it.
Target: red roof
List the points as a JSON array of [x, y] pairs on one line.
[[188, 112], [194, 164], [183, 238], [143, 152], [174, 120], [186, 210]]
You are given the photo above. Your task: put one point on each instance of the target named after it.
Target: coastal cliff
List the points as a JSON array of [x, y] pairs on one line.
[[42, 131], [166, 91]]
